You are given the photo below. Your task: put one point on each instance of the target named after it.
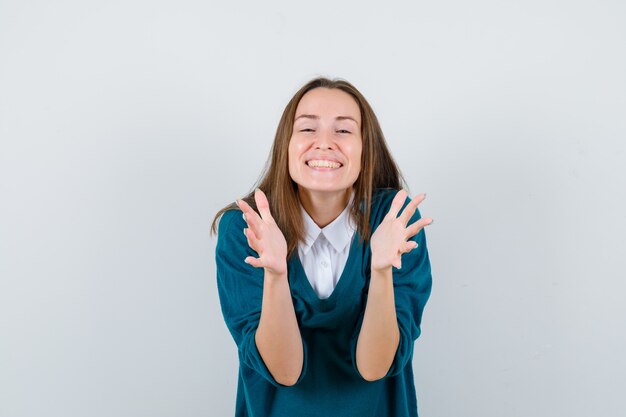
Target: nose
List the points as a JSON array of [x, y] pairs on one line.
[[324, 139]]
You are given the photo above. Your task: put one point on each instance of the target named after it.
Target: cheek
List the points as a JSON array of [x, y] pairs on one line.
[[296, 148], [293, 154], [355, 152]]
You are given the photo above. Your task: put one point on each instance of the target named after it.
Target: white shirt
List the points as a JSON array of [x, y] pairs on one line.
[[325, 251]]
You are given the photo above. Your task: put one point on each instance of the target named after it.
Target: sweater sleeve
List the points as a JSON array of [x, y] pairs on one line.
[[240, 290], [412, 286]]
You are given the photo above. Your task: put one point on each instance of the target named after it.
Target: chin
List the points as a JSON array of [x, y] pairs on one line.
[[327, 189]]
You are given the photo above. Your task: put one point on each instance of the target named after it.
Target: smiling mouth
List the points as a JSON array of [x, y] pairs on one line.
[[324, 168], [322, 164]]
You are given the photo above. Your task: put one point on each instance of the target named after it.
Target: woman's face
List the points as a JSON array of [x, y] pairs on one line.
[[327, 127]]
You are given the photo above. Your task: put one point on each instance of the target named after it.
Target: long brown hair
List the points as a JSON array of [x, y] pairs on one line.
[[378, 170]]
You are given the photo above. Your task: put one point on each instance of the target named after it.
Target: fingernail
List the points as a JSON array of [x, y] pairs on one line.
[[237, 202], [431, 222], [257, 189], [244, 216]]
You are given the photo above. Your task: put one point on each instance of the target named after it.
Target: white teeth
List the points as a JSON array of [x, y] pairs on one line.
[[323, 164]]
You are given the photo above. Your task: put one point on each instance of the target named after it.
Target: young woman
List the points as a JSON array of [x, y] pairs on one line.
[[323, 271]]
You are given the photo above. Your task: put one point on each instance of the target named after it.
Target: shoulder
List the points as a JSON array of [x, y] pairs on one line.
[[381, 196], [230, 221], [381, 204], [230, 216]]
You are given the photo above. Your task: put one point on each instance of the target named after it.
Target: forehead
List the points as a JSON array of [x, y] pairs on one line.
[[328, 103]]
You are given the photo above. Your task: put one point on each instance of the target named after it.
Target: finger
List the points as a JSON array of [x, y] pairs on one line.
[[397, 262], [263, 205], [251, 217], [409, 210], [396, 204], [252, 240], [255, 262], [414, 228], [409, 246]]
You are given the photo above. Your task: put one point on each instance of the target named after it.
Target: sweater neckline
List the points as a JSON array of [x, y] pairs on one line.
[[305, 284]]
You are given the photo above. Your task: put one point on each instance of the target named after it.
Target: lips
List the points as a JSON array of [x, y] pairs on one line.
[[324, 169], [322, 158]]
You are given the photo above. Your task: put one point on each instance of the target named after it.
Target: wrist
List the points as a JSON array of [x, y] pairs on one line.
[[276, 274], [379, 266]]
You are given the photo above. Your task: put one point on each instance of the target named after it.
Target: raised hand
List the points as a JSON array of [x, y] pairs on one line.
[[264, 236], [389, 241]]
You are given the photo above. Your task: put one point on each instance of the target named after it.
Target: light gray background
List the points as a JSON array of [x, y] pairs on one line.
[[126, 125]]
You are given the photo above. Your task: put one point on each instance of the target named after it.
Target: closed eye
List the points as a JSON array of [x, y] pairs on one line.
[[311, 130]]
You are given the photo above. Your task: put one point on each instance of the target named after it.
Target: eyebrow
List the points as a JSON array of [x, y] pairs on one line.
[[313, 116]]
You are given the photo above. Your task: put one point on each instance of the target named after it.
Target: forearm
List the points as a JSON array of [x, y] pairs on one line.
[[379, 336], [278, 336]]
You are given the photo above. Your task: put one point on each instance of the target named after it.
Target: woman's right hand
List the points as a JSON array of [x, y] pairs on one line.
[[264, 236]]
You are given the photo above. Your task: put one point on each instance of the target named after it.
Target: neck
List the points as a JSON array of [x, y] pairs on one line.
[[324, 206]]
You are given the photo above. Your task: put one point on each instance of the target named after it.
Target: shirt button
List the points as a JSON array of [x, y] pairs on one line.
[[324, 263]]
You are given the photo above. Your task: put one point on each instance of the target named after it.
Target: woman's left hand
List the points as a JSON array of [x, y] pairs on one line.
[[389, 241]]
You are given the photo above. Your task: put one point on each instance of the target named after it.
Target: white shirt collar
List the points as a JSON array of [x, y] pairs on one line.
[[339, 232]]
